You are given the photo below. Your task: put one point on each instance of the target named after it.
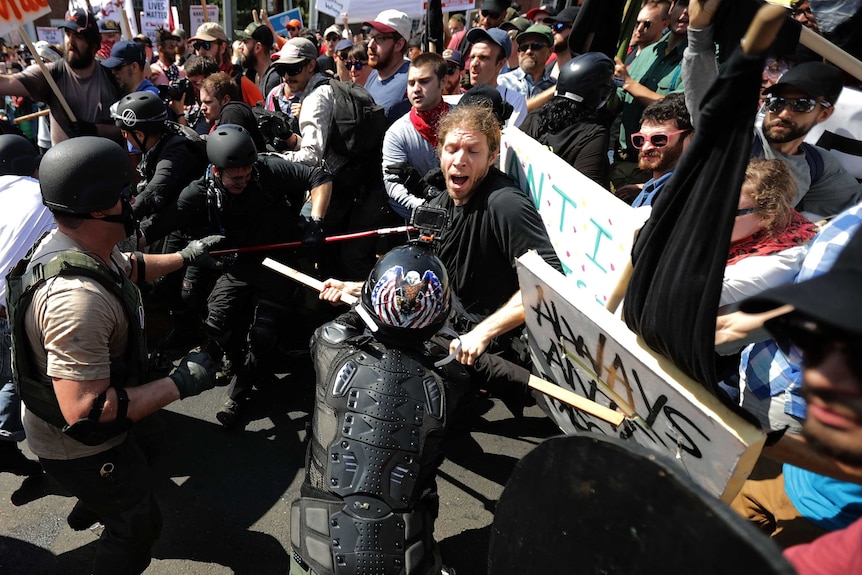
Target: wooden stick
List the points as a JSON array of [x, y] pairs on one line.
[[124, 21], [844, 60], [572, 399], [304, 279], [620, 289], [47, 75], [763, 29], [32, 116], [206, 14]]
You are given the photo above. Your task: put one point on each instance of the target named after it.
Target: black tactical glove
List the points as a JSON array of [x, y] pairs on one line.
[[409, 177], [312, 232], [197, 253], [81, 128], [195, 374], [434, 183], [293, 125]]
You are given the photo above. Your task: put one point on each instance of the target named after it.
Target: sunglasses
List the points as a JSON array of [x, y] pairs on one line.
[[291, 69], [490, 14], [645, 23], [355, 64], [745, 212], [534, 46], [659, 140], [332, 38], [815, 341], [452, 70], [292, 28], [202, 46], [776, 104], [560, 26]]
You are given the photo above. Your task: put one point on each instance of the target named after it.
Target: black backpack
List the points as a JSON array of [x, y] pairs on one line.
[[359, 123]]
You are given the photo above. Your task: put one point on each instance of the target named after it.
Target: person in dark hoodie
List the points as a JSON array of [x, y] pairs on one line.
[[569, 124]]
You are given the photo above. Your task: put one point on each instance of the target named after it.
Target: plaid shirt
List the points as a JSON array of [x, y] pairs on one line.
[[765, 369]]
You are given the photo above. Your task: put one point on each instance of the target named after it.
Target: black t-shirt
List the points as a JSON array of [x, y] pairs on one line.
[[583, 145], [241, 114], [483, 238]]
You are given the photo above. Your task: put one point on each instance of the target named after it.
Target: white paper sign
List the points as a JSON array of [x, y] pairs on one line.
[[583, 348], [196, 17], [842, 132]]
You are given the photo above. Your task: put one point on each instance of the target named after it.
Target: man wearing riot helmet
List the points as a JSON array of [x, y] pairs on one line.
[[569, 124], [382, 407], [254, 201], [169, 162], [79, 349]]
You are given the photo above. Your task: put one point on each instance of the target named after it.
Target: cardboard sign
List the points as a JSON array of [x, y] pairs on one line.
[[591, 230], [14, 13], [279, 21], [583, 348], [196, 17]]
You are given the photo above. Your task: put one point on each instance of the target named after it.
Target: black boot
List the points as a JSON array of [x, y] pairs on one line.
[[13, 461]]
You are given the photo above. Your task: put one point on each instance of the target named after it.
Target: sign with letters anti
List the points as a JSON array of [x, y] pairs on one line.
[[585, 349], [14, 13], [591, 230]]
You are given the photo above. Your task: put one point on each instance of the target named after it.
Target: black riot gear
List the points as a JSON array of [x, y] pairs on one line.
[[18, 157], [231, 146], [588, 79], [142, 111], [407, 293], [83, 175]]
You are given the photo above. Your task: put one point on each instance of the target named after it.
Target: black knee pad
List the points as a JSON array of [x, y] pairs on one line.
[[263, 335]]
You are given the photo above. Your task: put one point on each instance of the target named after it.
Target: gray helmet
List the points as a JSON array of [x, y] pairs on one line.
[[231, 146], [407, 293], [588, 79], [18, 157], [143, 111], [84, 175]]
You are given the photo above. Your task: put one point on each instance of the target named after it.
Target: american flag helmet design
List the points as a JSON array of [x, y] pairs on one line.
[[410, 299]]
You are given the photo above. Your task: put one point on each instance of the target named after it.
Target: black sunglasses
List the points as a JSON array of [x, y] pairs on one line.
[[645, 23], [202, 45], [815, 340], [534, 46], [332, 38], [291, 69], [452, 69], [490, 14], [357, 64], [292, 28], [745, 212], [798, 105]]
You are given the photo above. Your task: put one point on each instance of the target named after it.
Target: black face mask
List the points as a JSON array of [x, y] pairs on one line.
[[126, 218]]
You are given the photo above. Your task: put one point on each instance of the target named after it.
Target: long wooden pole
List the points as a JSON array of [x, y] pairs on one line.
[[47, 74], [844, 60]]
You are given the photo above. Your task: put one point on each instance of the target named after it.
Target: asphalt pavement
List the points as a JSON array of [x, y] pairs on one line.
[[226, 495]]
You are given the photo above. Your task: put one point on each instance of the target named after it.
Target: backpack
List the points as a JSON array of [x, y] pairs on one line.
[[359, 123], [812, 156]]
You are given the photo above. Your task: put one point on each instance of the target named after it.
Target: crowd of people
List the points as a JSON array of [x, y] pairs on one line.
[[267, 146]]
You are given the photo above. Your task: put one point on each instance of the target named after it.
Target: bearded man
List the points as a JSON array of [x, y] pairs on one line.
[[88, 88]]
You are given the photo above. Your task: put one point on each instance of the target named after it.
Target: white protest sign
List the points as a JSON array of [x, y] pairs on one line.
[[14, 13], [583, 348], [454, 5], [591, 230], [50, 35], [196, 16], [334, 8], [367, 10], [156, 11], [841, 133]]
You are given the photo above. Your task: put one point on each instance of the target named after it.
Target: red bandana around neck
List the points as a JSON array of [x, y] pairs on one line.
[[799, 231], [426, 122]]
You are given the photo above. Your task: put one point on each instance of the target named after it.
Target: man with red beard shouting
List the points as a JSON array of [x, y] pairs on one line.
[[664, 134], [410, 144], [89, 89]]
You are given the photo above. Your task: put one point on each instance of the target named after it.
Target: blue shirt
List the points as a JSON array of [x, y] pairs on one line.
[[650, 190], [390, 93], [147, 86], [522, 82], [769, 372]]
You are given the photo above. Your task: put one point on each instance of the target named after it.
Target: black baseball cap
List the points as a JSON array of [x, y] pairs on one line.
[[125, 52], [813, 78]]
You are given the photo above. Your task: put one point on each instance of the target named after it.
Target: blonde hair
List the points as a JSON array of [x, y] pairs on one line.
[[773, 192]]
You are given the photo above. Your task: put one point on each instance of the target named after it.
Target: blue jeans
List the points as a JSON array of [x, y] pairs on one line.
[[11, 428]]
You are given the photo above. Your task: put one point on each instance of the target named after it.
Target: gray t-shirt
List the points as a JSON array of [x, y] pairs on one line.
[[89, 97]]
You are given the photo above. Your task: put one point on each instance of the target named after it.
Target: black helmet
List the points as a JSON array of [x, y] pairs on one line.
[[588, 79], [407, 293], [231, 146], [84, 175], [139, 111], [18, 157]]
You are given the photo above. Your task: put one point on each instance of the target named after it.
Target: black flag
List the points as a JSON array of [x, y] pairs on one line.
[[434, 35], [680, 255], [597, 27]]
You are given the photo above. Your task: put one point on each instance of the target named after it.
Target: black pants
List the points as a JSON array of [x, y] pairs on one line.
[[117, 485]]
